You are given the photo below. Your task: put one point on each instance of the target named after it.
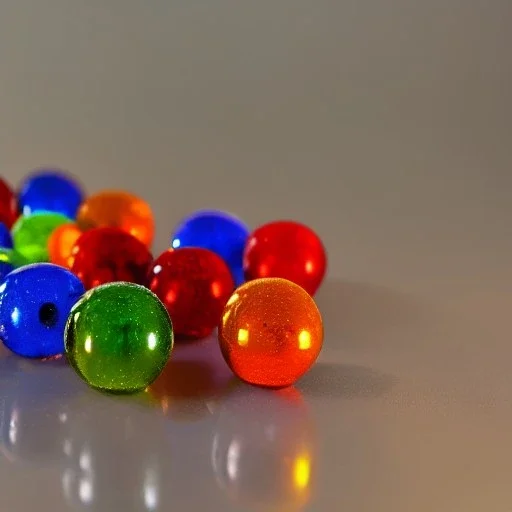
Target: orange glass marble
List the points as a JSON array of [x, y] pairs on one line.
[[61, 242], [271, 332], [119, 209]]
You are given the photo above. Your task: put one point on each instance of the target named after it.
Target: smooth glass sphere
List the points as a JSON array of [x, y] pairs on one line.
[[31, 233], [61, 243], [271, 332], [218, 231], [35, 301], [194, 285], [119, 337], [8, 205], [50, 190], [286, 249], [5, 236], [118, 209]]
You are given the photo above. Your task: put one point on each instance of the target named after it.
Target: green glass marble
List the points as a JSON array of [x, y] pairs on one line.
[[119, 337], [30, 234], [12, 257]]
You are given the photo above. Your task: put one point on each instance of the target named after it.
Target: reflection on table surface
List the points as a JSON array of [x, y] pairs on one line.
[[197, 436]]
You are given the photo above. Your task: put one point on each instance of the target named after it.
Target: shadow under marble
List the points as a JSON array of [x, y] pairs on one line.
[[346, 381], [367, 317]]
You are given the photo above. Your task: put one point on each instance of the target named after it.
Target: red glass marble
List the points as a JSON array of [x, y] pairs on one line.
[[104, 255], [8, 204], [194, 285], [286, 249]]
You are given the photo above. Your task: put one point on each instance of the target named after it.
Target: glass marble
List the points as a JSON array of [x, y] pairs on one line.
[[8, 204], [6, 264], [50, 190], [217, 231], [271, 332], [119, 209], [286, 249], [30, 234], [35, 301], [194, 285], [5, 236], [61, 243], [104, 255], [119, 337], [9, 260], [11, 257]]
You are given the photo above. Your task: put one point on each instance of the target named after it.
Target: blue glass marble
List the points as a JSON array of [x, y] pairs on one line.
[[35, 301], [50, 190], [5, 236], [217, 231], [5, 268]]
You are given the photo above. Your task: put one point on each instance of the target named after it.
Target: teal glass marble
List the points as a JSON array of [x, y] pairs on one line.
[[119, 337], [35, 301]]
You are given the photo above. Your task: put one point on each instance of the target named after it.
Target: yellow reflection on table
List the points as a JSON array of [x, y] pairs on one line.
[[264, 449]]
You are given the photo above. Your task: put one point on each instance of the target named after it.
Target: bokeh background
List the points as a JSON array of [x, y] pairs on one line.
[[367, 120]]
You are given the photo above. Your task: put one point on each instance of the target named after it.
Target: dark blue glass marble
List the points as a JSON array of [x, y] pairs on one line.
[[5, 236], [35, 301], [217, 231], [9, 260], [5, 268], [50, 191]]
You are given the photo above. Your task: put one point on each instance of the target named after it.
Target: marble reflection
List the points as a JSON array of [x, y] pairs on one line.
[[116, 457], [264, 449], [90, 451], [99, 451], [36, 403], [194, 381]]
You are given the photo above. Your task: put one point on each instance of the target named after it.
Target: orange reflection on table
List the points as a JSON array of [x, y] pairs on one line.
[[264, 449], [193, 381]]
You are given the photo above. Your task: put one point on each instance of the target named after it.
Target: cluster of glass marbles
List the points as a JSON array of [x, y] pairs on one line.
[[78, 278]]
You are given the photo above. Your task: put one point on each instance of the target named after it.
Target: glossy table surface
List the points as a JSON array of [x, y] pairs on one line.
[[385, 125]]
